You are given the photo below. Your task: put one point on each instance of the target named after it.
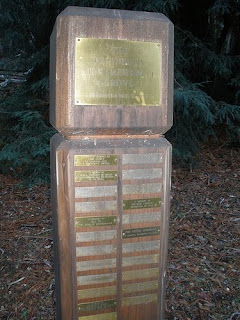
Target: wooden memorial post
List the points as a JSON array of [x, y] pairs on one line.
[[111, 82]]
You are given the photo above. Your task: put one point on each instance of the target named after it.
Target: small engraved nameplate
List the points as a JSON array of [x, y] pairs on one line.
[[95, 250], [137, 174], [141, 203], [96, 175], [96, 264], [95, 160], [95, 221], [141, 232], [97, 305], [141, 217], [93, 192]]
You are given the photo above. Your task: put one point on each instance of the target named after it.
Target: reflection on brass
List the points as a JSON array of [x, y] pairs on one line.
[[140, 246], [140, 274], [96, 292], [95, 160], [95, 221], [142, 158], [141, 217], [150, 258], [96, 175], [96, 278], [141, 203], [117, 72], [104, 316], [137, 287], [136, 174], [97, 305], [95, 206], [141, 188], [140, 232], [128, 301], [96, 264], [95, 250], [99, 191], [96, 235]]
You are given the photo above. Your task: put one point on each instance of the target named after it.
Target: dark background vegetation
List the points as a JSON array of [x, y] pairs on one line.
[[207, 78]]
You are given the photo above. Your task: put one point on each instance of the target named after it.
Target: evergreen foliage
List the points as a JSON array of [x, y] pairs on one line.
[[207, 81]]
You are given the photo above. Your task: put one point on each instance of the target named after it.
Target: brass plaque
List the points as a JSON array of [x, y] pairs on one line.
[[141, 188], [128, 301], [95, 250], [141, 203], [140, 246], [96, 235], [141, 217], [95, 206], [141, 232], [95, 221], [95, 160], [99, 191], [140, 274], [142, 158], [146, 259], [95, 175], [117, 72], [138, 287], [96, 292], [96, 278], [97, 305], [104, 316], [96, 264], [137, 174]]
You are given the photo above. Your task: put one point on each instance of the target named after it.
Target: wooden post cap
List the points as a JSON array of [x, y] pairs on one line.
[[111, 72]]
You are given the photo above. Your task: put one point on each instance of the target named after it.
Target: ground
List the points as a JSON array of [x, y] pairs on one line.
[[204, 244]]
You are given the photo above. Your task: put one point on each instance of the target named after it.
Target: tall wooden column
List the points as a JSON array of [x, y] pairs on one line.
[[111, 101]]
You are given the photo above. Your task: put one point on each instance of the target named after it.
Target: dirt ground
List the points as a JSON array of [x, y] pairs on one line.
[[204, 246]]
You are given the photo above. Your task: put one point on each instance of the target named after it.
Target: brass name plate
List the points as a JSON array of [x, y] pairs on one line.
[[104, 316], [95, 160], [96, 292], [96, 278], [95, 221], [141, 232], [117, 72], [138, 287], [97, 305], [128, 301], [95, 175], [141, 203], [140, 274]]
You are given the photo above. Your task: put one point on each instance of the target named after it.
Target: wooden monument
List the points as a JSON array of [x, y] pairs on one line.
[[111, 80]]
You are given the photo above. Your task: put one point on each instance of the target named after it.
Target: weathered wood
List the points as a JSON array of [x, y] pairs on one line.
[[104, 248], [141, 27]]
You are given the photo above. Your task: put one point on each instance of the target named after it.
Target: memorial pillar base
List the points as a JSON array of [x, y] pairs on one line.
[[111, 214]]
